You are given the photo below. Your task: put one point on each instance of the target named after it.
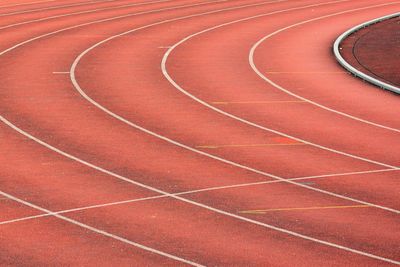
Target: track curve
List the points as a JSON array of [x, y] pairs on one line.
[[56, 117]]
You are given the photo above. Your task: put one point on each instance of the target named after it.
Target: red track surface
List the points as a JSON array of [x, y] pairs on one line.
[[173, 136]]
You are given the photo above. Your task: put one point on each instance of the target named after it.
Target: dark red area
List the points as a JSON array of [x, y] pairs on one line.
[[375, 50]]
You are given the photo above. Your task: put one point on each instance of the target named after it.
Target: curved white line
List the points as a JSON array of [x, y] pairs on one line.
[[262, 76], [178, 87], [353, 70], [98, 231], [187, 200]]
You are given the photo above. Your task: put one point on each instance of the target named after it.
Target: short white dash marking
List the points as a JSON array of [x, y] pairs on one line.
[[61, 72]]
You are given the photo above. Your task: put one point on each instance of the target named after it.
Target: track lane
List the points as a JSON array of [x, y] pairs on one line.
[[296, 128], [360, 100]]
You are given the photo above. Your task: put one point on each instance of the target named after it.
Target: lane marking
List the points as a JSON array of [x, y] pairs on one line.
[[265, 78], [301, 209], [98, 231], [258, 102], [249, 145], [61, 72], [209, 189]]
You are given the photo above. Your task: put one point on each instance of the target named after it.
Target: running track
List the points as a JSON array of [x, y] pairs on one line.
[[193, 132]]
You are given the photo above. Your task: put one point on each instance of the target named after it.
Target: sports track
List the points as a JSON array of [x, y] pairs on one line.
[[193, 133]]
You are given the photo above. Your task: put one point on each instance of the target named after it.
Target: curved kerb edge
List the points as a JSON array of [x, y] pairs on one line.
[[353, 70]]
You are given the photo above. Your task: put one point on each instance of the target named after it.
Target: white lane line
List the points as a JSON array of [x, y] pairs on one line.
[[80, 13], [55, 7], [60, 72], [178, 87], [116, 116], [208, 189], [287, 91], [98, 231], [183, 199]]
